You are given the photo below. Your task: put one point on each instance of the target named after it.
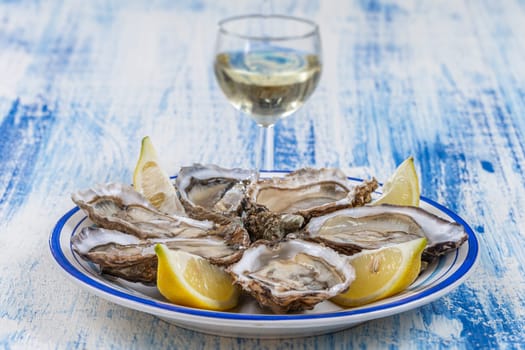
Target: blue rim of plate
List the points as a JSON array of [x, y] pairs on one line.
[[448, 282]]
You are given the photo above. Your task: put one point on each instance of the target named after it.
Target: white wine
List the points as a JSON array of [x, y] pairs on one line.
[[267, 85]]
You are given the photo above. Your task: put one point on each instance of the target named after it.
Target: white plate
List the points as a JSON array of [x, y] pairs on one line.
[[248, 320]]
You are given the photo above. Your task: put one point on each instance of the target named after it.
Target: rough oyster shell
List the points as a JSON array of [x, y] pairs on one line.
[[261, 223], [209, 190], [292, 275], [134, 259], [371, 227]]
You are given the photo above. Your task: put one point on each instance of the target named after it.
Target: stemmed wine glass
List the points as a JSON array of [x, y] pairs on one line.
[[267, 66]]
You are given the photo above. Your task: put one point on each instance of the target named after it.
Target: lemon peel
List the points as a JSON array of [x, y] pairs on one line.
[[402, 188], [150, 179]]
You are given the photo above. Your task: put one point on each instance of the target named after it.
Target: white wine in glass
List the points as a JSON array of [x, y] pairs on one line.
[[267, 66]]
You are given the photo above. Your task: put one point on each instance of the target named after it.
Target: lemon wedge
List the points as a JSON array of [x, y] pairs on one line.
[[383, 272], [190, 280], [402, 188], [150, 180]]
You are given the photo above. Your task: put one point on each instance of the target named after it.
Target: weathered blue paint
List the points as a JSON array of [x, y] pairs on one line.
[[82, 82], [22, 131], [487, 166]]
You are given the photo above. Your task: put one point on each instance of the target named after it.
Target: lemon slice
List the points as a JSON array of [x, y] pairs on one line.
[[190, 280], [383, 272], [150, 180], [402, 188]]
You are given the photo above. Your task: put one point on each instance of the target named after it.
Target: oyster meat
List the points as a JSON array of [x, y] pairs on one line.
[[371, 227], [209, 190], [310, 192], [292, 275]]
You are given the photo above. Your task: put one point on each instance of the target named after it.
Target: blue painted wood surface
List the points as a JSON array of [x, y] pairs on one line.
[[81, 82]]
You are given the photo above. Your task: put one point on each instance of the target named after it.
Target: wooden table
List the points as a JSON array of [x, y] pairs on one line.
[[82, 82]]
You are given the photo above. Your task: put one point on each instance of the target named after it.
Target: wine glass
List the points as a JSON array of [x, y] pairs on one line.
[[267, 66]]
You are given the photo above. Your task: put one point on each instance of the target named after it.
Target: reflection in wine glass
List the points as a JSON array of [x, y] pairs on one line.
[[267, 66]]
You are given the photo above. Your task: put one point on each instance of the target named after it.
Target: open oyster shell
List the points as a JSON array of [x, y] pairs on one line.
[[310, 192], [208, 191], [292, 275], [134, 259], [371, 227]]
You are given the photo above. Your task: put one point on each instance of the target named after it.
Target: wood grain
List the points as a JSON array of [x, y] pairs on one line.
[[82, 82]]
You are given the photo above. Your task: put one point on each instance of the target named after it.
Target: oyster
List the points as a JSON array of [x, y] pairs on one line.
[[371, 227], [310, 192], [280, 205], [119, 207], [292, 275], [134, 259], [208, 190]]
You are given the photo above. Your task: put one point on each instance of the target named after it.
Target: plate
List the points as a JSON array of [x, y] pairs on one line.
[[249, 320]]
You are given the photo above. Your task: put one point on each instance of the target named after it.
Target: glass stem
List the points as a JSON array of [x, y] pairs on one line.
[[266, 148]]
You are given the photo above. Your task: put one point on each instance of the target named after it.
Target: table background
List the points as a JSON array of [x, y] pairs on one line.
[[81, 82]]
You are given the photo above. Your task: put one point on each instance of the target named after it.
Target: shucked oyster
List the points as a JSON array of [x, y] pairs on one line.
[[292, 275], [280, 205], [371, 227], [310, 192], [134, 259], [209, 190]]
